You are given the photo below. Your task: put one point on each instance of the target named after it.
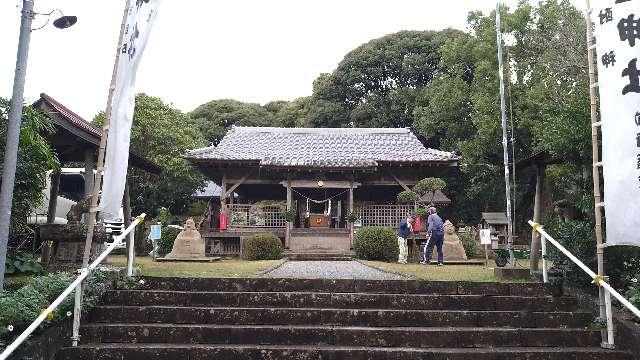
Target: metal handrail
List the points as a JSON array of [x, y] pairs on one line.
[[598, 280], [75, 285]]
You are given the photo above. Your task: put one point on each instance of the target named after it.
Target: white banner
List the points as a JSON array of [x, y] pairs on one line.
[[617, 35], [140, 18]]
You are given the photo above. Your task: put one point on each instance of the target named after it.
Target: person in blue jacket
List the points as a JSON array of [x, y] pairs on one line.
[[435, 232], [404, 230]]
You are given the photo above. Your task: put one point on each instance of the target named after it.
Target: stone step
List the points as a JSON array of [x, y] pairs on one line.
[[352, 286], [337, 300], [418, 337], [344, 317], [318, 257], [324, 352]]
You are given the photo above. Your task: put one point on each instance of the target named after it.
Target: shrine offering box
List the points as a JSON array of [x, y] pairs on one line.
[[318, 220]]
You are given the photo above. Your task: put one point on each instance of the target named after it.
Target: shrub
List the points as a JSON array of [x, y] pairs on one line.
[[20, 262], [470, 245], [622, 263], [265, 246], [165, 244], [20, 307], [407, 197], [376, 243], [429, 185]]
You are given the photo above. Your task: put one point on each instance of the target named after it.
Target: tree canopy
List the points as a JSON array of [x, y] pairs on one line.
[[162, 134], [35, 158]]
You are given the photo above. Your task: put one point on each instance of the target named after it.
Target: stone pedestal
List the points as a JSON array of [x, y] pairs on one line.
[[63, 245]]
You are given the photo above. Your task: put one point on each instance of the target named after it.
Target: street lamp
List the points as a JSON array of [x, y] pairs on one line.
[[15, 118]]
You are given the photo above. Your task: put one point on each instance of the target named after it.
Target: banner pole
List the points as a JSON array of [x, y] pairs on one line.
[[505, 146], [93, 209], [597, 197]]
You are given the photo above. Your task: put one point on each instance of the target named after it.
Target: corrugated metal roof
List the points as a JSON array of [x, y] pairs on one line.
[[321, 147], [495, 218]]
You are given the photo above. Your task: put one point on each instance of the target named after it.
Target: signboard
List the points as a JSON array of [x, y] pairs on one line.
[[156, 232], [617, 33], [485, 236]]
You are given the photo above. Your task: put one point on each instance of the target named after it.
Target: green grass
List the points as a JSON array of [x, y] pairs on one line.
[[445, 273], [222, 268]]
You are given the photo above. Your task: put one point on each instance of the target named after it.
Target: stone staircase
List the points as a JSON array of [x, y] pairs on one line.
[[259, 318]]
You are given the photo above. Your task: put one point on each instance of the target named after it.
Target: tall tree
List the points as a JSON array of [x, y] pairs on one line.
[[35, 157], [377, 83], [216, 117], [162, 134]]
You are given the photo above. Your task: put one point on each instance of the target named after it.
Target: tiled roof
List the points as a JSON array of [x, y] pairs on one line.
[[90, 133], [72, 117], [320, 147]]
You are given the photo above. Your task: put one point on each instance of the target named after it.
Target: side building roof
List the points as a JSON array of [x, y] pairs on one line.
[[73, 132], [357, 148]]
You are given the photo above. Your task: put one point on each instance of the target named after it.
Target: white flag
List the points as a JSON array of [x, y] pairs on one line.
[[140, 18], [618, 56]]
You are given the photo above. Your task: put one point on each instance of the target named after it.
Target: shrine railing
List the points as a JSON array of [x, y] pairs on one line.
[[256, 216], [598, 280], [383, 215]]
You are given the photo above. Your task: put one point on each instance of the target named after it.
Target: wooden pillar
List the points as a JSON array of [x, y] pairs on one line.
[[223, 192], [287, 234], [53, 196], [89, 165], [351, 211], [126, 210], [537, 217]]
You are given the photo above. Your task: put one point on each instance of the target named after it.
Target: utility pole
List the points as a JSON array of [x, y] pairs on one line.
[[13, 133], [505, 146]]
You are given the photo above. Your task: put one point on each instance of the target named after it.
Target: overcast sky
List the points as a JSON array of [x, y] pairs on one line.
[[200, 50]]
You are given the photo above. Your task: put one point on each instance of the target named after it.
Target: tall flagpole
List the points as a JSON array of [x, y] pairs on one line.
[[593, 94], [505, 146], [93, 209]]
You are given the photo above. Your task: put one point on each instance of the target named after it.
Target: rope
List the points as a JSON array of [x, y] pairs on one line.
[[319, 201]]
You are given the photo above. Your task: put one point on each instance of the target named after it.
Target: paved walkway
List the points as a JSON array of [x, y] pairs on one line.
[[329, 270]]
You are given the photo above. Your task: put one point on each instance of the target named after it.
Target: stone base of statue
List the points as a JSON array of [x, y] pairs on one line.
[[452, 246], [188, 246]]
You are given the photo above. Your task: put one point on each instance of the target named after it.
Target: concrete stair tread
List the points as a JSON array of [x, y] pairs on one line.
[[341, 327], [350, 286], [470, 351], [113, 307]]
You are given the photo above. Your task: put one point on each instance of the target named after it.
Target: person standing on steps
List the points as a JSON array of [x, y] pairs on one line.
[[435, 232], [404, 230]]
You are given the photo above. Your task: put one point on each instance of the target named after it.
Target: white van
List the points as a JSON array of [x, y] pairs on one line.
[[71, 191]]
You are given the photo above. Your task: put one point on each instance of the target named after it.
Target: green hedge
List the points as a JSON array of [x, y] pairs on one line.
[[165, 244], [20, 307], [265, 246], [470, 245], [376, 243]]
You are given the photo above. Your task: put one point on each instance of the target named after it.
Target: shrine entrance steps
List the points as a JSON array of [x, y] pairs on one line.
[[313, 319], [319, 255]]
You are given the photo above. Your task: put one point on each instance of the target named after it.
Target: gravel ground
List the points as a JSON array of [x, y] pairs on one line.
[[329, 270]]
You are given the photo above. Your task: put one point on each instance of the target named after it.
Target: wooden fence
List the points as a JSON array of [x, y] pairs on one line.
[[248, 216], [383, 215]]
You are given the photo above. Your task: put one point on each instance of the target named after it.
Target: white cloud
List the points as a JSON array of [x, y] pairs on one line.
[[200, 50]]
